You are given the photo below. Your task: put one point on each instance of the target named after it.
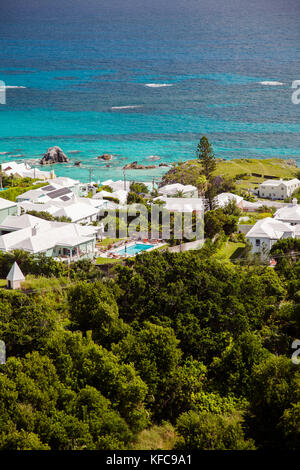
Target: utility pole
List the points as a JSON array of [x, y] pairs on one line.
[[124, 179]]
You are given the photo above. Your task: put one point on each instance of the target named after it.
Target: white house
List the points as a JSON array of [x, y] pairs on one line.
[[24, 170], [80, 189], [277, 189], [181, 204], [46, 193], [116, 185], [170, 190], [7, 208], [289, 214], [65, 241], [79, 210], [268, 231], [221, 200]]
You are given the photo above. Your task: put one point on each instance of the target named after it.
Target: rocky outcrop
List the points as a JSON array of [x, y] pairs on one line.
[[105, 157], [54, 155], [136, 166], [163, 164], [292, 162], [78, 163]]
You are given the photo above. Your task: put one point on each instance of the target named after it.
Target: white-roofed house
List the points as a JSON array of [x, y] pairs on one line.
[[67, 241], [266, 232], [12, 223], [15, 277], [7, 208], [24, 170], [181, 204], [33, 195], [116, 185], [49, 192], [74, 185], [277, 189], [102, 194], [289, 214], [170, 190], [78, 212], [221, 200]]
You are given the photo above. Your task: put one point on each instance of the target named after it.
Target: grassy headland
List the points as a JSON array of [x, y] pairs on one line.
[[246, 173]]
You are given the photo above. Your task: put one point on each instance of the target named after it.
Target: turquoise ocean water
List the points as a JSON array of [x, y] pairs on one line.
[[139, 79]]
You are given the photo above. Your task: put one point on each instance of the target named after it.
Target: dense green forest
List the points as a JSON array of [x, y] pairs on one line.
[[182, 346]]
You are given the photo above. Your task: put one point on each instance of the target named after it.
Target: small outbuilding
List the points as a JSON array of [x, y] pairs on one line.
[[15, 277]]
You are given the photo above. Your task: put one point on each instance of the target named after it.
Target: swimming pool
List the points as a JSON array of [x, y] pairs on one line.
[[135, 249]]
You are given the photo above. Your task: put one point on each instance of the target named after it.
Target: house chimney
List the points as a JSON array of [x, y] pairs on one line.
[[35, 229]]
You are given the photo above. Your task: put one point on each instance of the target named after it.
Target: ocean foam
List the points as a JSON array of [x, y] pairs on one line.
[[11, 86], [157, 85], [272, 83], [127, 107]]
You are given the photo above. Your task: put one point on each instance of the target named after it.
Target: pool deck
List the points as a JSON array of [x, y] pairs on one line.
[[114, 252]]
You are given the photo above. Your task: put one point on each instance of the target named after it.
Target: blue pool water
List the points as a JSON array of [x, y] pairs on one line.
[[135, 249], [140, 78]]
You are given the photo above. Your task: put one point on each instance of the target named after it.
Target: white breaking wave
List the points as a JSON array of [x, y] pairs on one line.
[[11, 86], [157, 85], [127, 107], [272, 83]]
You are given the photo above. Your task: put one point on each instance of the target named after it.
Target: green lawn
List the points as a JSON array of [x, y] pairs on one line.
[[2, 282], [101, 260], [268, 167], [189, 171], [108, 241], [231, 250]]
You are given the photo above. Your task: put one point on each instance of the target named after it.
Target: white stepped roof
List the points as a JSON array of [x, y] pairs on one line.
[[181, 204], [76, 211], [281, 181], [291, 212], [5, 204], [24, 221], [221, 200], [175, 188], [15, 273], [102, 194], [116, 185], [270, 228]]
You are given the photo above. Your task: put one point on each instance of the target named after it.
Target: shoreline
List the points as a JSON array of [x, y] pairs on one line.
[[101, 170]]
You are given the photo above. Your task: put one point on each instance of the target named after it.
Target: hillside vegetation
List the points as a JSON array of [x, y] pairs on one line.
[[171, 351], [245, 172]]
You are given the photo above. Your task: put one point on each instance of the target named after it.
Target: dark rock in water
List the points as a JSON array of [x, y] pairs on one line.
[[54, 155], [108, 165], [105, 157], [135, 166], [77, 163], [163, 164]]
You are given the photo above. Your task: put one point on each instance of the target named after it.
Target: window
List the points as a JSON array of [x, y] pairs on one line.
[[257, 242]]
